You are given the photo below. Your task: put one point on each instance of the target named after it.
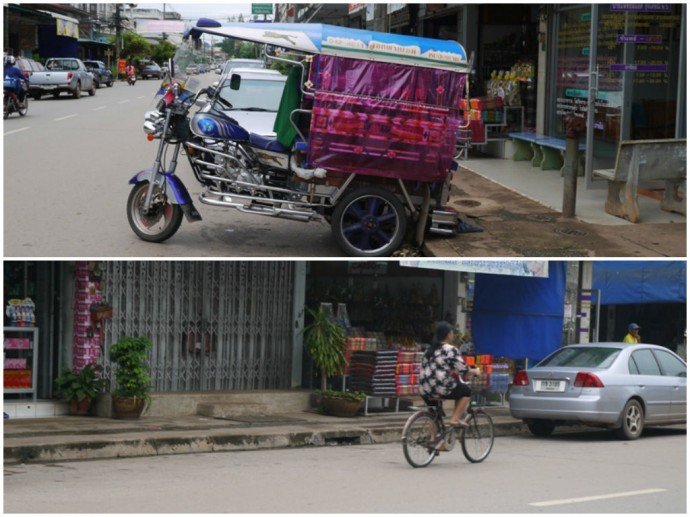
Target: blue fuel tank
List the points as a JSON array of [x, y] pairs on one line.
[[206, 125]]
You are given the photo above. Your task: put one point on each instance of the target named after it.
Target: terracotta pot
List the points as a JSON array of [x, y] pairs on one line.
[[128, 407], [341, 407], [79, 407]]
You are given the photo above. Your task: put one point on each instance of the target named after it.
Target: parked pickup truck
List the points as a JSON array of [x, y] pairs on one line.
[[101, 73], [62, 74]]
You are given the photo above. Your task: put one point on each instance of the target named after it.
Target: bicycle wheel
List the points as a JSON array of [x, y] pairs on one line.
[[478, 439], [419, 434]]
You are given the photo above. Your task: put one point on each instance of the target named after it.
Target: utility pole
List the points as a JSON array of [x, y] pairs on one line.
[[118, 33]]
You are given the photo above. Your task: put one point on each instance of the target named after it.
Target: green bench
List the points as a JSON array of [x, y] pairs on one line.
[[545, 152]]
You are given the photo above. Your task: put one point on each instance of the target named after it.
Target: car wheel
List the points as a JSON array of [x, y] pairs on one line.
[[96, 84], [541, 427], [77, 91], [632, 421], [110, 83], [37, 96]]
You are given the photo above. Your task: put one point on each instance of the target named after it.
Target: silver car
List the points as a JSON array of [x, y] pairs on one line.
[[614, 385]]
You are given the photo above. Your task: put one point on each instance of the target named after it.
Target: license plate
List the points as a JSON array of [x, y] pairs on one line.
[[557, 386]]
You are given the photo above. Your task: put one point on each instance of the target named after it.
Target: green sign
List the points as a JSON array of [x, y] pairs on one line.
[[262, 8]]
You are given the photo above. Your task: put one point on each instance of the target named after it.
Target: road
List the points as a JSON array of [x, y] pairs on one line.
[[66, 170], [590, 472]]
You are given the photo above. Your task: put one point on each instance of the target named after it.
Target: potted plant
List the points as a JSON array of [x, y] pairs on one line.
[[342, 403], [80, 388], [325, 342], [133, 383]]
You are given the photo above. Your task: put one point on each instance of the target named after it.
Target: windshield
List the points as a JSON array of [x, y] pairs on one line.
[[186, 56], [582, 357], [253, 94]]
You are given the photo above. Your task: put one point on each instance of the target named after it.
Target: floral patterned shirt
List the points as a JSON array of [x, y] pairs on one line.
[[436, 378]]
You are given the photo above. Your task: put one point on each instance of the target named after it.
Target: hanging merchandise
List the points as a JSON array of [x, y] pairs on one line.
[[21, 313]]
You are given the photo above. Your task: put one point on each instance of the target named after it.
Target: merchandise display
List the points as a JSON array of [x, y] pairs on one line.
[[88, 295], [21, 313]]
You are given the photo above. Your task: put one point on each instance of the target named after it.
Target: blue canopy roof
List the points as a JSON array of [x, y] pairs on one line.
[[628, 282], [332, 40]]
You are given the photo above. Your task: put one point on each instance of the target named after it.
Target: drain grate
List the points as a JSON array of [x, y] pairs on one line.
[[573, 232]]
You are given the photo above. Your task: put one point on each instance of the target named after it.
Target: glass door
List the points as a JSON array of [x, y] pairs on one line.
[[620, 67], [634, 67]]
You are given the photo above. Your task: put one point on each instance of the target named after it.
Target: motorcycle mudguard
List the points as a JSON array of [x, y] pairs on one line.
[[174, 188]]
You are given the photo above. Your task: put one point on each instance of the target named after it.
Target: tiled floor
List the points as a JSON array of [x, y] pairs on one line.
[[546, 187]]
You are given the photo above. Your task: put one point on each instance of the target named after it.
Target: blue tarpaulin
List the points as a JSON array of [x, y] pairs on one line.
[[519, 317], [628, 282]]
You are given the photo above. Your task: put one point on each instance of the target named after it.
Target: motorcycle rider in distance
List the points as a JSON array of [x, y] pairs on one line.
[[11, 70], [129, 72]]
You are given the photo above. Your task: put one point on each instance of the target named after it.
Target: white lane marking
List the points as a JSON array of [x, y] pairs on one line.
[[599, 497], [100, 108], [16, 130], [122, 102], [141, 97], [64, 118]]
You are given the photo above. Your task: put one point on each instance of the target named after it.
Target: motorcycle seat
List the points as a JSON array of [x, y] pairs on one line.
[[268, 144]]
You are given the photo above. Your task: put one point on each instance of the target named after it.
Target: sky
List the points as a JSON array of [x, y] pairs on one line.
[[194, 11]]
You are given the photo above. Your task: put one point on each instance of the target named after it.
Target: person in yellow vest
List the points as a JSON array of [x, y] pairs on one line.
[[633, 335]]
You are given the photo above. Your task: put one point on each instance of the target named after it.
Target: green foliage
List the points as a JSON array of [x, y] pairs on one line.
[[133, 45], [79, 386], [347, 395], [132, 375], [240, 49], [325, 341], [162, 52]]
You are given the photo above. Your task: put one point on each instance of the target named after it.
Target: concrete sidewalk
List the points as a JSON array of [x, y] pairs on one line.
[[518, 207], [84, 438]]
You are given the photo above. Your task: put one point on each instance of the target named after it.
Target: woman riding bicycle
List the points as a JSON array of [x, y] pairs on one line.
[[442, 371]]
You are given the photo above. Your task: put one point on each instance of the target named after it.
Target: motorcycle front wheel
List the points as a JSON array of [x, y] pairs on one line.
[[162, 221], [6, 108]]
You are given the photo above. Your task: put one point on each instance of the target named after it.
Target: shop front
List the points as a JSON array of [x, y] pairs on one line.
[[622, 67]]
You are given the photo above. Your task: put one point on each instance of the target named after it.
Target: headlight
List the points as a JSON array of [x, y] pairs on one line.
[[153, 122]]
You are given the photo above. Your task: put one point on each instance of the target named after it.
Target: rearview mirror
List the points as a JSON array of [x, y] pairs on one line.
[[235, 82]]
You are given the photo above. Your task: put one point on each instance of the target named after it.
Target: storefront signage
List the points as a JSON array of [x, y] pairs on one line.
[[639, 68], [528, 268], [640, 38], [649, 8], [355, 8]]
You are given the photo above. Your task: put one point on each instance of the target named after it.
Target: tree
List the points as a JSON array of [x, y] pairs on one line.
[[162, 52], [134, 45]]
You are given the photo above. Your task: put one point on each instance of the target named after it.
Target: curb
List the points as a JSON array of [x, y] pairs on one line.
[[208, 441]]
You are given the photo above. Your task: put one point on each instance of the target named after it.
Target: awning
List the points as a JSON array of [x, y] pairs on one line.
[[65, 25], [629, 282]]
